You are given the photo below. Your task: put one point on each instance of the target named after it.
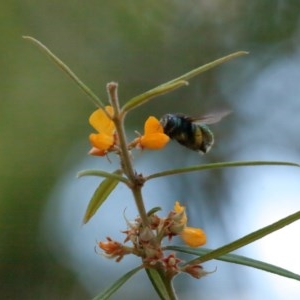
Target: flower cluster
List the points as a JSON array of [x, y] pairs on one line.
[[146, 242], [106, 140]]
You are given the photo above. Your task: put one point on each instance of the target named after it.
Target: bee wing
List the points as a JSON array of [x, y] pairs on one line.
[[210, 118]]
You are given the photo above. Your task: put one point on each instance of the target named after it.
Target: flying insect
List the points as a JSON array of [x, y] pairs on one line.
[[191, 132]]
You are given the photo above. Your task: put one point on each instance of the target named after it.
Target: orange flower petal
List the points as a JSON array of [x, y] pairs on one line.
[[152, 125], [101, 122], [193, 237], [97, 152], [154, 141], [153, 137], [101, 141]]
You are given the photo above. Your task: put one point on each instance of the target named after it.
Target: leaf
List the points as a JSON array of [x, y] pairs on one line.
[[219, 166], [247, 239], [145, 97], [100, 195], [208, 66], [67, 70], [250, 238], [176, 83], [106, 294], [100, 173], [239, 259], [157, 283], [242, 260], [153, 211]]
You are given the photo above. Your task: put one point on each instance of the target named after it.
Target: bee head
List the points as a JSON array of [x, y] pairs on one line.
[[169, 122]]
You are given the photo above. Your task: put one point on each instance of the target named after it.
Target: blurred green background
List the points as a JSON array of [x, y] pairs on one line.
[[139, 44]]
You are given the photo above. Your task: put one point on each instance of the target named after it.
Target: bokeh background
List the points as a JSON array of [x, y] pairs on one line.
[[45, 252]]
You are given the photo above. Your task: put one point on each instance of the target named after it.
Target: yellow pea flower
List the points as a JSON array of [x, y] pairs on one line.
[[179, 209], [154, 137], [193, 237], [105, 139]]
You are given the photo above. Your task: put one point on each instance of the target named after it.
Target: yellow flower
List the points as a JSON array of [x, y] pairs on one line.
[[104, 140], [179, 209], [193, 237], [154, 137]]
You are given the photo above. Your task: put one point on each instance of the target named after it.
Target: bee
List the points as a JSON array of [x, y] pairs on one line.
[[190, 132]]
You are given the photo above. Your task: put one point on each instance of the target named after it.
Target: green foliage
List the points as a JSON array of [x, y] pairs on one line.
[[219, 166], [100, 195], [106, 294], [158, 283], [238, 259]]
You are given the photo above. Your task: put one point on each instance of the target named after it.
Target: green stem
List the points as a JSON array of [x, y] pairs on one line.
[[170, 289], [137, 194], [135, 183], [112, 89]]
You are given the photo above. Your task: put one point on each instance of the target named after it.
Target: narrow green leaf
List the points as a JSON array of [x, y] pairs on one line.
[[247, 239], [67, 70], [113, 288], [100, 195], [239, 259], [250, 238], [158, 283], [177, 82], [208, 66], [260, 265], [100, 173], [145, 97], [219, 166]]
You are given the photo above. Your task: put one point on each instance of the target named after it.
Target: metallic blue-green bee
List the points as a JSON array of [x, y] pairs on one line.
[[190, 132]]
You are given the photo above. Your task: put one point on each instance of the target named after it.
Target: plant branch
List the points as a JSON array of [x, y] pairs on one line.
[[135, 182]]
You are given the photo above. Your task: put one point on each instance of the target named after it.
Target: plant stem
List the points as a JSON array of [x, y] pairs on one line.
[[170, 289], [138, 197], [136, 181], [112, 89]]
